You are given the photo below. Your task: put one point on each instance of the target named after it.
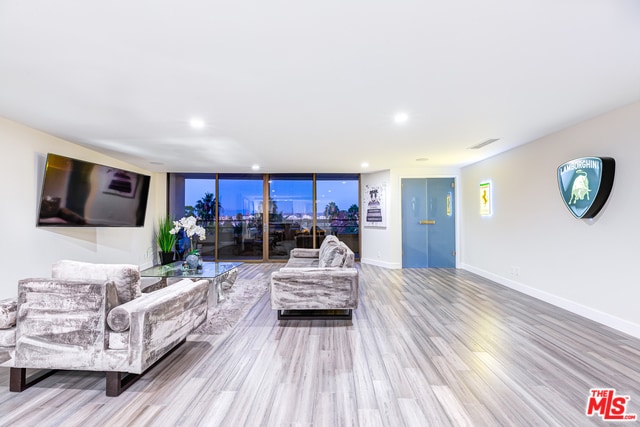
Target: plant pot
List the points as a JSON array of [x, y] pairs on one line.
[[166, 257]]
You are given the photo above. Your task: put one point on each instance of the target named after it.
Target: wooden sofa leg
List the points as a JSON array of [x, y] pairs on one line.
[[315, 315], [18, 381], [117, 382]]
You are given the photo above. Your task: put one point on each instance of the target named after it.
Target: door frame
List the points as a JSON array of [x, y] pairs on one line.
[[456, 203]]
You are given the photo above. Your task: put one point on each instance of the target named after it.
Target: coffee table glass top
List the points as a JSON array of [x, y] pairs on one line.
[[209, 270]]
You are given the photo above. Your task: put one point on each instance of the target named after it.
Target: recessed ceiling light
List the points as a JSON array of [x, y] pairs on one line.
[[364, 165], [422, 159], [196, 123], [156, 163], [255, 167], [400, 118]]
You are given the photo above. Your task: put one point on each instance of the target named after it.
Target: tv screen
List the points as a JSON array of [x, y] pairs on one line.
[[76, 193]]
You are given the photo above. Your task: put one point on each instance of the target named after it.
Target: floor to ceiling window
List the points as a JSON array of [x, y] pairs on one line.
[[290, 213], [240, 231], [195, 195], [337, 208], [301, 210]]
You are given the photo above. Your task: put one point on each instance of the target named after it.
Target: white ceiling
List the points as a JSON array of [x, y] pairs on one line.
[[300, 86]]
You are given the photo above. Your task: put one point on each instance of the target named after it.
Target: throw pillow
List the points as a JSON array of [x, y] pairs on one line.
[[334, 256], [328, 242], [350, 258], [118, 319]]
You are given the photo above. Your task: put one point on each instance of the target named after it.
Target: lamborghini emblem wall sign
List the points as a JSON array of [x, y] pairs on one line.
[[585, 184]]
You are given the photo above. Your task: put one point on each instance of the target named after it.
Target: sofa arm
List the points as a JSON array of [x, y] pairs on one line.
[[304, 253], [314, 288], [160, 320], [61, 324]]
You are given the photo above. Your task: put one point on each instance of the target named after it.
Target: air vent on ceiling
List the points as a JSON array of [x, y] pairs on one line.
[[483, 144]]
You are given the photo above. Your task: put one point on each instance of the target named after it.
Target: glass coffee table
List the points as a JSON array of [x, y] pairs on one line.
[[221, 275]]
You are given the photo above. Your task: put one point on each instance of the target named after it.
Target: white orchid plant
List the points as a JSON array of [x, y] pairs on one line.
[[191, 229]]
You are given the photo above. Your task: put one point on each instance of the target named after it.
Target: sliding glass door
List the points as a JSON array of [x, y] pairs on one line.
[[290, 213], [240, 224], [337, 209], [195, 195]]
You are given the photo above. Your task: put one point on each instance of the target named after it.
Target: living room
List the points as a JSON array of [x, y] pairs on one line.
[[531, 243], [562, 281]]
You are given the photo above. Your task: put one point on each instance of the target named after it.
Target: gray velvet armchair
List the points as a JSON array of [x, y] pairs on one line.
[[94, 317]]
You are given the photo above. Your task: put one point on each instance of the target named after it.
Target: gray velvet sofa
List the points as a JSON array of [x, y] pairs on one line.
[[316, 283], [94, 317]]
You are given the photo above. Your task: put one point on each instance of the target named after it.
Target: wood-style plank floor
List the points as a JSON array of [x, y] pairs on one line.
[[426, 347]]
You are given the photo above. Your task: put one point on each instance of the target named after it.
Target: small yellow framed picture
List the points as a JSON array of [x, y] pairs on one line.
[[485, 198]]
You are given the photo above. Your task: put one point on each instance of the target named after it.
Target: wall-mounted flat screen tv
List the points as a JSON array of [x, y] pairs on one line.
[[76, 193]]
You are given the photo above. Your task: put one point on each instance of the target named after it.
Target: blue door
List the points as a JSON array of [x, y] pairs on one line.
[[428, 223]]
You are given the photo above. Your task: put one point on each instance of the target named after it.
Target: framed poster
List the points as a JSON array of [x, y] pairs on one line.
[[374, 204], [485, 199]]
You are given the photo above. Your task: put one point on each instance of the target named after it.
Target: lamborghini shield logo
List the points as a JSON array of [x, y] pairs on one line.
[[585, 184]]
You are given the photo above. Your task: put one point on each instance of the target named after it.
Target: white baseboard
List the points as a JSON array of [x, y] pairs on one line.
[[378, 263], [614, 322]]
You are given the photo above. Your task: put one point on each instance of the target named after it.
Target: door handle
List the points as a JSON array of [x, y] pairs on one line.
[[428, 222]]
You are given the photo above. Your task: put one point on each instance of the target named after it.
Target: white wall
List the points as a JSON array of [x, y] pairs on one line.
[[532, 242], [383, 247], [27, 250], [375, 243]]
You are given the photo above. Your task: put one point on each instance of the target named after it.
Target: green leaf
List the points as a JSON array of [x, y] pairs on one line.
[[166, 240]]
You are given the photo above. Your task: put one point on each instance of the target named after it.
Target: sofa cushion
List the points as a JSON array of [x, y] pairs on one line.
[[8, 310], [8, 337], [302, 262], [329, 242], [125, 276], [349, 258], [333, 256], [118, 340]]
